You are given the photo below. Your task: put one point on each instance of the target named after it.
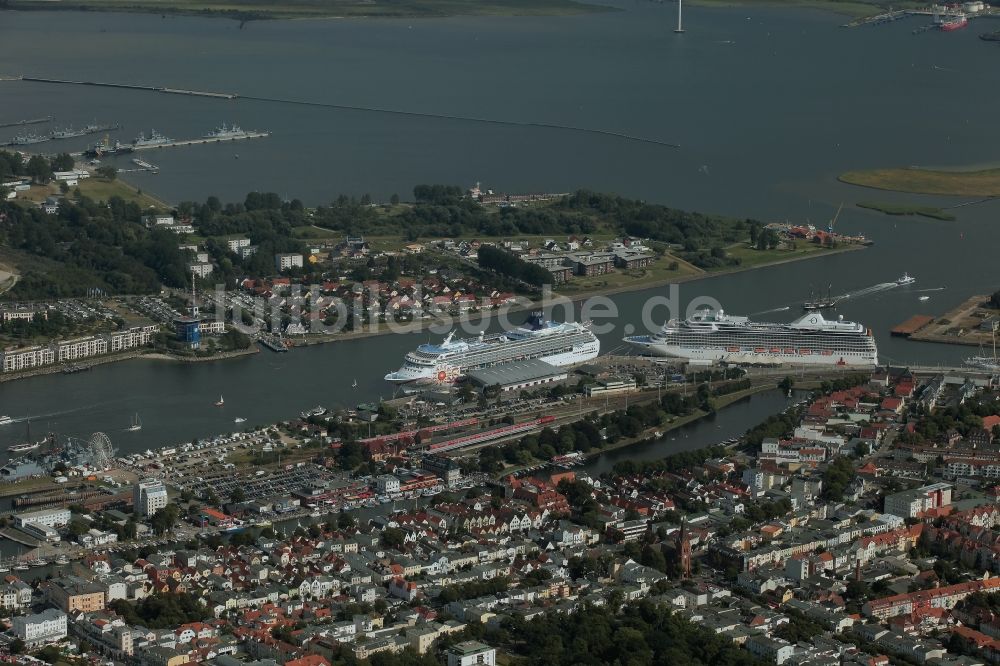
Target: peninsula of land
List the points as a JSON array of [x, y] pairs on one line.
[[957, 182]]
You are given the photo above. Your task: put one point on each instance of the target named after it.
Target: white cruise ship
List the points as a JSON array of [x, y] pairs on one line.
[[557, 344], [809, 340]]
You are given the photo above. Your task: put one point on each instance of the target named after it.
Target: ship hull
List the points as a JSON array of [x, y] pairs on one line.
[[449, 372], [752, 357]]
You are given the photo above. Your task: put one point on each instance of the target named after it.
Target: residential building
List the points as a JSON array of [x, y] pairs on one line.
[[235, 244], [471, 653], [287, 260], [201, 269], [71, 350], [148, 497], [913, 503], [45, 627], [71, 593], [27, 358]]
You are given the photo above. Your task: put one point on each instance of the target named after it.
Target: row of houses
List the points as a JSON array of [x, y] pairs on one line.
[[65, 351]]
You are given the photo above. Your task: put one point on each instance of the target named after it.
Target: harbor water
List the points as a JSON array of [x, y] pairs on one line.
[[767, 107]]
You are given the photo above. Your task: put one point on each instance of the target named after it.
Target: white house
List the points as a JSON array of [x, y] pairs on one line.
[[45, 627]]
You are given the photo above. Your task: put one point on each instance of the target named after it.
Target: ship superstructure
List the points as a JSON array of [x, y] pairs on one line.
[[556, 344], [713, 335]]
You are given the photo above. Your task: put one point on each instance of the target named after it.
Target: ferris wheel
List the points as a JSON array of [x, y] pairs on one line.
[[102, 453]]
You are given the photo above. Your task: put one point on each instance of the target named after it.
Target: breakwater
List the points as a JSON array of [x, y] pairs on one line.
[[366, 109]]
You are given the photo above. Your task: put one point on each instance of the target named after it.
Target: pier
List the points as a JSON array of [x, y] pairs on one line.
[[274, 344], [30, 121], [911, 325], [895, 15], [17, 536], [132, 86], [351, 107], [204, 140]]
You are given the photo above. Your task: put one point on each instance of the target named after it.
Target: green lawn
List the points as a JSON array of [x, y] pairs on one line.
[[750, 257], [102, 190], [658, 273]]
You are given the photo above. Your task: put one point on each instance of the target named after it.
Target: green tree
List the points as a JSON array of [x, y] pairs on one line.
[[164, 519], [38, 169], [62, 162]]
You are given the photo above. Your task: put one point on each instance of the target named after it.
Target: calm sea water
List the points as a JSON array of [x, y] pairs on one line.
[[767, 106]]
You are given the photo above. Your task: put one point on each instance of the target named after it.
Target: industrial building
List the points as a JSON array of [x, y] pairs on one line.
[[519, 375], [47, 517]]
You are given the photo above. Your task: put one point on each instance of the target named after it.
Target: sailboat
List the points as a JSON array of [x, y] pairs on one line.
[[220, 402], [136, 424], [985, 362], [355, 384]]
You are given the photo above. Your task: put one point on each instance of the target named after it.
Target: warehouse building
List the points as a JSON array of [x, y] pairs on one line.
[[517, 376]]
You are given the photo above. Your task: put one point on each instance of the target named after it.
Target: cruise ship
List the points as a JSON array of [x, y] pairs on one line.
[[716, 336], [557, 344]]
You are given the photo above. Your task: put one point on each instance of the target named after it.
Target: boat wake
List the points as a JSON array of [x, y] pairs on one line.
[[783, 308], [920, 291], [874, 289]]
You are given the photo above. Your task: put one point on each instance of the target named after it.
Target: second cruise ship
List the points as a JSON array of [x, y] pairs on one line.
[[557, 344], [716, 336]]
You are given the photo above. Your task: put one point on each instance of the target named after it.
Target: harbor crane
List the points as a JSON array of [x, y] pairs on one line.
[[829, 228]]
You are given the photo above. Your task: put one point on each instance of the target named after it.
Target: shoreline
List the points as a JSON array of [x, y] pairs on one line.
[[420, 326], [647, 436], [427, 9], [223, 356], [936, 332], [87, 364]]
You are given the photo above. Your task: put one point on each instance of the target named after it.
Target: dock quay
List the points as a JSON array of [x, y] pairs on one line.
[[145, 166], [204, 140], [60, 498], [275, 345], [30, 121], [878, 19], [911, 325], [895, 15], [17, 536], [972, 322]]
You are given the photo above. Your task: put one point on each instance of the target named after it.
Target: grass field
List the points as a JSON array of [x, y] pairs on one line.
[[751, 257], [305, 9], [659, 272], [102, 190], [906, 209], [97, 189], [985, 183]]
